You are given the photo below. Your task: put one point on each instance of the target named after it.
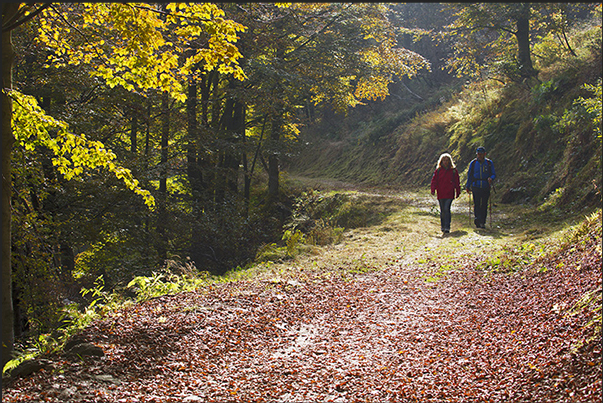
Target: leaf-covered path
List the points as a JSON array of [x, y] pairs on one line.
[[394, 313]]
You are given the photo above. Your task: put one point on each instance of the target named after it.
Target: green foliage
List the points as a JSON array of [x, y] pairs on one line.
[[168, 282], [147, 287], [588, 228], [36, 279], [338, 209], [71, 320], [486, 38], [271, 253], [593, 105], [544, 92], [592, 302], [117, 256], [324, 234], [72, 153], [292, 240], [320, 219], [360, 266], [97, 293], [513, 258]]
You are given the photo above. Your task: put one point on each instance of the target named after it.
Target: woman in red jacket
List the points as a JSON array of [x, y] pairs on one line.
[[446, 182]]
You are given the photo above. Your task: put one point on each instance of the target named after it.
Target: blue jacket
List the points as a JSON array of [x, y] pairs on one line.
[[478, 174]]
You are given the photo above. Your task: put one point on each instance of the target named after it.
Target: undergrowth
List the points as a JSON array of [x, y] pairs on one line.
[[542, 255]]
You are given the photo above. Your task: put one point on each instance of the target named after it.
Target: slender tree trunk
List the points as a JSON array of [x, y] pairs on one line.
[[147, 139], [195, 175], [214, 80], [147, 145], [237, 135], [273, 160], [134, 133], [567, 44], [220, 175], [255, 158], [165, 135], [205, 89], [163, 173], [6, 142], [246, 184]]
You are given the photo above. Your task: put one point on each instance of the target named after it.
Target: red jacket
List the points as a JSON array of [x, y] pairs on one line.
[[447, 183]]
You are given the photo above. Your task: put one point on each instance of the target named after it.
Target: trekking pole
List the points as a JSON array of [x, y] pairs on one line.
[[490, 212], [494, 189], [469, 194]]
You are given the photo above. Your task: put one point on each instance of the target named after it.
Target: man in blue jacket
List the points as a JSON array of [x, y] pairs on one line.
[[479, 181]]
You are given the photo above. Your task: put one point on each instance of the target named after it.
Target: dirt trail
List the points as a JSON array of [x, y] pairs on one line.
[[395, 312]]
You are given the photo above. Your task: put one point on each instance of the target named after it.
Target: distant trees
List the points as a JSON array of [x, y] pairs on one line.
[[498, 37], [295, 58], [308, 54]]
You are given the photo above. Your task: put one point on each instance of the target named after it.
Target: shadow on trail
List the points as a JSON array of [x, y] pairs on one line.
[[492, 233], [454, 234]]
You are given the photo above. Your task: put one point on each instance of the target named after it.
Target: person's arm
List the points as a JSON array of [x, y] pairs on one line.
[[493, 173], [457, 182], [433, 182]]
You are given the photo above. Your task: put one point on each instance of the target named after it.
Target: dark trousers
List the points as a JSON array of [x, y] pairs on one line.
[[480, 205], [445, 215]]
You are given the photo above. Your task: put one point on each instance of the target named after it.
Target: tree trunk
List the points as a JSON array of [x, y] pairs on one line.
[[163, 174], [195, 176], [165, 135], [236, 133], [6, 142], [252, 169], [147, 139], [524, 55], [223, 155], [134, 133], [273, 160]]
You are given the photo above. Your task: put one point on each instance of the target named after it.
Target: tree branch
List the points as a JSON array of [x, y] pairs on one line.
[[18, 22]]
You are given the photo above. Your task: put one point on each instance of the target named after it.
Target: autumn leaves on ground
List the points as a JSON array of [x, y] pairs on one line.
[[392, 312]]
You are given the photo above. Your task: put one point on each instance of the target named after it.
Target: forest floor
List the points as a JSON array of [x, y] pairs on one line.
[[396, 311]]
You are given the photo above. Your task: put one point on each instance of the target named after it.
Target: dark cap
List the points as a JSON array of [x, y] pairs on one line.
[[480, 150]]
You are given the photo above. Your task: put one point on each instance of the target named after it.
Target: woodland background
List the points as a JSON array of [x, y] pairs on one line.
[[220, 163]]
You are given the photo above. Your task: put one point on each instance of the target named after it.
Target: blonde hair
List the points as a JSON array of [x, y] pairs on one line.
[[439, 165]]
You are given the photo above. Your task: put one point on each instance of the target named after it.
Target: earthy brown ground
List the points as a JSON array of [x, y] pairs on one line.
[[394, 312]]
